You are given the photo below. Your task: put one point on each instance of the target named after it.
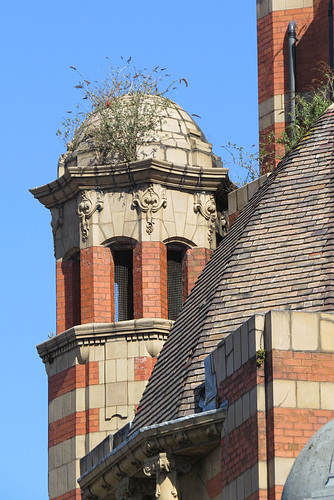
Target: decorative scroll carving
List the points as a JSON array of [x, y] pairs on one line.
[[91, 201], [150, 201], [166, 469], [205, 205], [57, 214], [150, 447], [134, 489]]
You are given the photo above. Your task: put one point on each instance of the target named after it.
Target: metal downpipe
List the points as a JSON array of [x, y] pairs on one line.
[[292, 68]]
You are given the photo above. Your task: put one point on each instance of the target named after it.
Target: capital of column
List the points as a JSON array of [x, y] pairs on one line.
[[166, 469]]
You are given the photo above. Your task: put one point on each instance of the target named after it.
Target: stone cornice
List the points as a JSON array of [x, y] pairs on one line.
[[107, 177], [189, 437], [99, 333]]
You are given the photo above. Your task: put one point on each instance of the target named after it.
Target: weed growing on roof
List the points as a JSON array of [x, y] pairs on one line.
[[308, 108], [122, 110]]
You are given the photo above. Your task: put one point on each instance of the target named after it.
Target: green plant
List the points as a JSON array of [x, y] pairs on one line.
[[260, 357], [238, 156], [308, 108], [123, 111]]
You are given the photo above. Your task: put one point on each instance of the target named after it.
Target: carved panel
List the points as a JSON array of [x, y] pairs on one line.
[[150, 201], [205, 205], [91, 201]]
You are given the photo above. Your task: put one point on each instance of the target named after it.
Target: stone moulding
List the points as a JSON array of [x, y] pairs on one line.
[[150, 201], [149, 171], [57, 220], [99, 333], [91, 201], [153, 451], [205, 205]]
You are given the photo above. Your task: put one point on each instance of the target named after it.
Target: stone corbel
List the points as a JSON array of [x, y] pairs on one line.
[[166, 469], [205, 205], [91, 201], [57, 215], [150, 201]]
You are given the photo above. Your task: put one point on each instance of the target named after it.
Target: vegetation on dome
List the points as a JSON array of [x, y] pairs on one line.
[[125, 110]]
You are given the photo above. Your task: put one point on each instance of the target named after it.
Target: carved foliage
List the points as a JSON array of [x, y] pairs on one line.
[[205, 205], [91, 201], [150, 201]]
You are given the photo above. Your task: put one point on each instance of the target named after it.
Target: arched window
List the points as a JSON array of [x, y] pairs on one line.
[[123, 283], [175, 255]]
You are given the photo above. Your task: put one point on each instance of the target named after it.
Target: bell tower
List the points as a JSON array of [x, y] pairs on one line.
[[130, 241]]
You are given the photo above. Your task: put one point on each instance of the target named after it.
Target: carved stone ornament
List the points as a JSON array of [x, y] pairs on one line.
[[150, 201], [57, 214], [166, 469], [205, 205], [91, 201], [134, 489]]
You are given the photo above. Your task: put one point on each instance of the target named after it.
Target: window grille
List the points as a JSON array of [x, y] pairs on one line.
[[123, 285], [174, 282]]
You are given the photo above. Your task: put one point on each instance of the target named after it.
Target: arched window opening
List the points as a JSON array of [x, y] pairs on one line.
[[72, 290], [175, 255], [123, 284]]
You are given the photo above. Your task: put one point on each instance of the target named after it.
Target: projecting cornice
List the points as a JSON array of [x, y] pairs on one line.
[[106, 177], [98, 333], [180, 442]]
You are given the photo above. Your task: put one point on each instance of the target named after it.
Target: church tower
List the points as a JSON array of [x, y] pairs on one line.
[[130, 240], [295, 42]]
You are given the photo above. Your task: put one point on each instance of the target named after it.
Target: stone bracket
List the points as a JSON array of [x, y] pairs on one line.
[[91, 201], [205, 205]]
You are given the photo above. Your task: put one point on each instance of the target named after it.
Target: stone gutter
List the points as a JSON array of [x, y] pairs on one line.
[[179, 443]]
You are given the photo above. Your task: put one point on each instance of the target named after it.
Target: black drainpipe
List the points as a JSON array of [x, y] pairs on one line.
[[330, 33], [330, 43], [292, 68]]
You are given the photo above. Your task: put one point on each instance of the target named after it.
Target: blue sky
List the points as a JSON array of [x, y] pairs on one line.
[[212, 44]]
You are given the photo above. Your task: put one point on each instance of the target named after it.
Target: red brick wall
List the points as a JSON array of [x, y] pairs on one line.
[[70, 495], [280, 431], [143, 367], [311, 50], [68, 294], [245, 445], [289, 429], [193, 264], [150, 280], [76, 424], [97, 276], [73, 378]]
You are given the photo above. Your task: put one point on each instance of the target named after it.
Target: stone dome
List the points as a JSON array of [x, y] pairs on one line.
[[312, 468], [177, 139]]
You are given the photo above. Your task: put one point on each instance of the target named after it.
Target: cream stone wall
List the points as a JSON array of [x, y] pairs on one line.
[[188, 217], [264, 7], [114, 347]]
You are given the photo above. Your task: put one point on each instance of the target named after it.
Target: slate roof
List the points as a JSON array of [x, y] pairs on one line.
[[278, 254]]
